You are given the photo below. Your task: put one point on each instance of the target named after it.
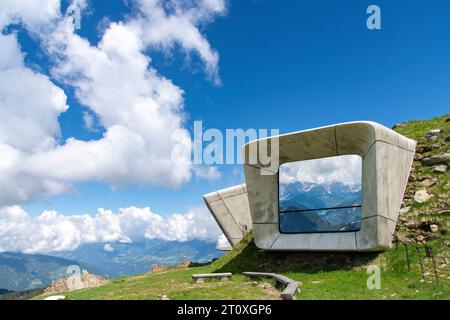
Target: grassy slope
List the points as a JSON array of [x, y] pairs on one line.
[[176, 284], [324, 275]]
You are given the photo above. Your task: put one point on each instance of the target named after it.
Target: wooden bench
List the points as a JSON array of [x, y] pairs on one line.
[[201, 277], [290, 290], [291, 286]]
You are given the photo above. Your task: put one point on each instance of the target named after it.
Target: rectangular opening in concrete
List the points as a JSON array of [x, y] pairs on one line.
[[320, 195]]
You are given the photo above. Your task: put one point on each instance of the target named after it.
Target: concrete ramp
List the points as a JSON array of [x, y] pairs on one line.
[[230, 209]]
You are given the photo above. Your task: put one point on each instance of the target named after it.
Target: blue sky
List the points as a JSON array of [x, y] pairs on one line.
[[291, 65], [287, 65]]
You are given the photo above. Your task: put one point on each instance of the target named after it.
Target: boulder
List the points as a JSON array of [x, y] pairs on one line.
[[432, 134], [420, 238], [421, 178], [422, 196], [440, 169], [434, 228], [411, 225], [439, 159], [423, 148], [404, 210], [403, 239], [427, 183]]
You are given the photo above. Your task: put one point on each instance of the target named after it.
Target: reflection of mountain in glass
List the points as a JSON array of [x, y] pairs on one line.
[[297, 197]]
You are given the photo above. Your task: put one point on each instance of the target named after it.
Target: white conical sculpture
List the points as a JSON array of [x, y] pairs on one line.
[[386, 162]]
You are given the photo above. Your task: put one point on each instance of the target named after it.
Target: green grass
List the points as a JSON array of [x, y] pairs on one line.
[[417, 129], [323, 276]]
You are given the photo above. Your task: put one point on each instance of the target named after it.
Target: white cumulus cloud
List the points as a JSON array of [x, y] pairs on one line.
[[210, 173], [344, 169], [138, 108], [52, 231], [33, 13], [30, 104]]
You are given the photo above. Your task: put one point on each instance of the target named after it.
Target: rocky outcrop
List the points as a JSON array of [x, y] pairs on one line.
[[439, 159], [159, 268], [427, 195], [423, 149], [433, 134], [428, 182], [422, 196], [75, 282], [440, 169]]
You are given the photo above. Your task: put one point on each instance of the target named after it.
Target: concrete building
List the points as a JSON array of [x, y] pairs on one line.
[[386, 162]]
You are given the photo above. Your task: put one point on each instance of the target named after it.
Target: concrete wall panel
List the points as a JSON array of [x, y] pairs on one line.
[[231, 211], [316, 242], [239, 209], [265, 235], [263, 195], [367, 237], [369, 185]]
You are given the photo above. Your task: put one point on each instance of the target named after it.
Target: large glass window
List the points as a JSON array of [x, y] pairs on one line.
[[322, 195]]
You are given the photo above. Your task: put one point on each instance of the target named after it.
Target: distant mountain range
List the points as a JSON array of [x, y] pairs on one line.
[[302, 196], [19, 272], [298, 196], [120, 259]]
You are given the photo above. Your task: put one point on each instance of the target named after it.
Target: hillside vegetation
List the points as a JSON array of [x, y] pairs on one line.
[[331, 275]]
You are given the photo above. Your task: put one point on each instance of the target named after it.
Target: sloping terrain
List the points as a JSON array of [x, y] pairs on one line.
[[407, 272], [323, 276], [427, 198]]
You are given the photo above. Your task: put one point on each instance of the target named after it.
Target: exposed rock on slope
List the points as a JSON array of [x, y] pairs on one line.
[[159, 268], [76, 282], [423, 216]]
